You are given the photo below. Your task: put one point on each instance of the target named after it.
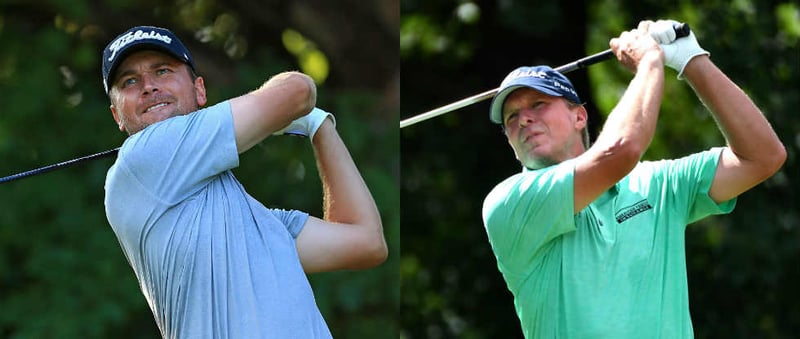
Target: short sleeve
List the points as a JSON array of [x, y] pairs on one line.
[[689, 180], [174, 158], [293, 219], [527, 210]]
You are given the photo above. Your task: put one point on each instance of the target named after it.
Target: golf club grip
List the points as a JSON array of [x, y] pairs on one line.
[[67, 163], [681, 30]]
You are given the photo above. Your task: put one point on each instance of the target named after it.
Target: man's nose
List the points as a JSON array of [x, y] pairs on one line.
[[526, 117], [149, 83]]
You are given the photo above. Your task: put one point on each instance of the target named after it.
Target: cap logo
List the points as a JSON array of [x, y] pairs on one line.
[[565, 88], [525, 73], [537, 74], [126, 39]]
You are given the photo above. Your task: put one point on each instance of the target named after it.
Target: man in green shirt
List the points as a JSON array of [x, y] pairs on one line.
[[590, 240]]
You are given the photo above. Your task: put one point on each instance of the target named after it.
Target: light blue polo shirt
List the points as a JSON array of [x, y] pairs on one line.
[[211, 261], [616, 269]]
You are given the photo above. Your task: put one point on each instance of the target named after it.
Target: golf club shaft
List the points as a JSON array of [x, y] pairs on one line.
[[64, 164], [582, 63], [680, 31]]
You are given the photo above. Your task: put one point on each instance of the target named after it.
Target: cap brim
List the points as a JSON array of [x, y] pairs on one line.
[[496, 112]]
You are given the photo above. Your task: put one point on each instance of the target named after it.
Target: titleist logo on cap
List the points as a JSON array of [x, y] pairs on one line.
[[135, 36]]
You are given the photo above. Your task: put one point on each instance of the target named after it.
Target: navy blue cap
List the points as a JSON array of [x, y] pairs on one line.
[[541, 78], [137, 39]]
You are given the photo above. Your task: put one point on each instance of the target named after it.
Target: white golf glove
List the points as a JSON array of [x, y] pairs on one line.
[[307, 125], [677, 52]]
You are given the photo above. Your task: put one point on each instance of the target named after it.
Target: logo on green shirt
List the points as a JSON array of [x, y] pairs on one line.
[[629, 212]]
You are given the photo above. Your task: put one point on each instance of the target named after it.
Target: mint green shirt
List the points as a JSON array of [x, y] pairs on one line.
[[616, 269]]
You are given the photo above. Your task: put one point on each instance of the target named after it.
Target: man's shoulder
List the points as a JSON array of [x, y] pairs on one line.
[[530, 186], [528, 177], [504, 187]]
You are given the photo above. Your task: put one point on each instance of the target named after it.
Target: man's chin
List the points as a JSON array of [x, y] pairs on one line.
[[538, 163], [133, 129]]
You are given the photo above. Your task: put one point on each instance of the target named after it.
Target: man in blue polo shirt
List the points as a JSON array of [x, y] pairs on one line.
[[590, 240], [212, 261]]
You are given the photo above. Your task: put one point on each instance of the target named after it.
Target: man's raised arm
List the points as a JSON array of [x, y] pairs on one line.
[[754, 152], [351, 234]]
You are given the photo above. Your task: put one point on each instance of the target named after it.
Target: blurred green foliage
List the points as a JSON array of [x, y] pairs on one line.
[[743, 268], [62, 273]]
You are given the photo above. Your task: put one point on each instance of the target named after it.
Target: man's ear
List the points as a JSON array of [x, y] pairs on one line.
[[581, 117], [117, 118], [200, 91]]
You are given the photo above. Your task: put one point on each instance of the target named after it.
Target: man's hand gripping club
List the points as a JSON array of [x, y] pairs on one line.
[[677, 52]]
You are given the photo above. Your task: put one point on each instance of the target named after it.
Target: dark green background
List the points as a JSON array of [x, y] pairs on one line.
[[62, 273], [743, 268]]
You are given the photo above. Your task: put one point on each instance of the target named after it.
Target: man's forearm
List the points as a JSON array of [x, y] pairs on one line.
[[634, 118], [747, 131], [351, 234], [346, 197]]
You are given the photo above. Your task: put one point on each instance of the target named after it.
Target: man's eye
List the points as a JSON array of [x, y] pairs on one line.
[[127, 82], [163, 71], [511, 117]]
